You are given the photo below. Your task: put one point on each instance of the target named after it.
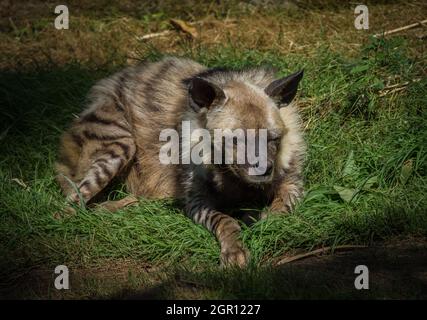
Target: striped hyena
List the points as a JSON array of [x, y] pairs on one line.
[[117, 135]]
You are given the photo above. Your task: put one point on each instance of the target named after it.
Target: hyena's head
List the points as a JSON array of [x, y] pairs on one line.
[[250, 119]]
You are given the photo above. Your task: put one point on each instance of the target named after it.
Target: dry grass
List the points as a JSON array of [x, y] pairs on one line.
[[31, 39]]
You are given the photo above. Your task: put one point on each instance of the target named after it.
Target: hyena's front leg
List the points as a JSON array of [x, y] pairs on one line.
[[286, 196], [225, 228]]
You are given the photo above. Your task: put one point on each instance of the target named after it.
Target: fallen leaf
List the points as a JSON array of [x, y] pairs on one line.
[[370, 182], [319, 192], [184, 26], [406, 171], [345, 193], [350, 168], [20, 182]]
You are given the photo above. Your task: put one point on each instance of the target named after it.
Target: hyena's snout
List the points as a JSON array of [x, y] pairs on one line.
[[260, 172]]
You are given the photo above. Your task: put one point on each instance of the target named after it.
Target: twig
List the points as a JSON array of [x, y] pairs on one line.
[[20, 182], [410, 26], [316, 252], [173, 22], [384, 93], [395, 87], [168, 32], [154, 35]]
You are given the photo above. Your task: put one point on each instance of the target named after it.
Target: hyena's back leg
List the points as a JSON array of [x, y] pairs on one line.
[[96, 148], [115, 205], [224, 227], [108, 159]]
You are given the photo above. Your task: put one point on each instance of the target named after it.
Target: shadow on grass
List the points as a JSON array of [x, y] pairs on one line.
[[35, 108], [394, 273]]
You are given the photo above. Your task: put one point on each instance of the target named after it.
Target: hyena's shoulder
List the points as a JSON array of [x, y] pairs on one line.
[[167, 71], [163, 78]]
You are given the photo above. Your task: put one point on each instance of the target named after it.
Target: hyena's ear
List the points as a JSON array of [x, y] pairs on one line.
[[284, 90], [203, 93]]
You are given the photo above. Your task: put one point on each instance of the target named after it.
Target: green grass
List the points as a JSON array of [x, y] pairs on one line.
[[365, 171]]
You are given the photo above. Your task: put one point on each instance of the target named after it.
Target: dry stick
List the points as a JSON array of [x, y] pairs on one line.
[[163, 33], [167, 32], [396, 87], [414, 25], [154, 35], [384, 93], [20, 182], [392, 86], [316, 252]]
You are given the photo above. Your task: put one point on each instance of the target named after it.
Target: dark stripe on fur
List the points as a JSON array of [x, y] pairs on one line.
[[93, 118], [123, 146], [211, 72], [119, 97], [98, 179], [152, 85], [93, 136], [85, 183], [77, 139], [112, 154], [105, 168], [217, 218]]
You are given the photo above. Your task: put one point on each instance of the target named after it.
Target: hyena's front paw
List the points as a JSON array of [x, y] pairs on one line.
[[285, 201], [68, 211], [275, 209], [75, 198], [234, 255]]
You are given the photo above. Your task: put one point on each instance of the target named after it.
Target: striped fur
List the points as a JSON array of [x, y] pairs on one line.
[[118, 135]]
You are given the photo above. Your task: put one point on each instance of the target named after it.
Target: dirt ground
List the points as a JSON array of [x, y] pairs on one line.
[[397, 270]]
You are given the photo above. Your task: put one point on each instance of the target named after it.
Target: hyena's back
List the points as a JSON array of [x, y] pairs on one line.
[[119, 131]]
